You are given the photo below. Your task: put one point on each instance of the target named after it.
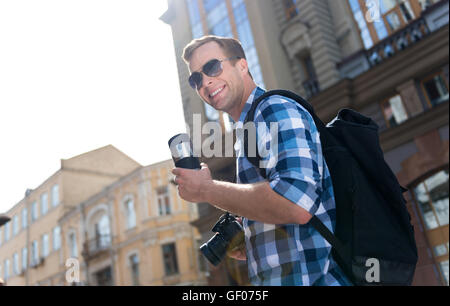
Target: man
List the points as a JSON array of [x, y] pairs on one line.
[[281, 247]]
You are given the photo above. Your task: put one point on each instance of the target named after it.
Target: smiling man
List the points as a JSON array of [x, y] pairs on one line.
[[281, 247]]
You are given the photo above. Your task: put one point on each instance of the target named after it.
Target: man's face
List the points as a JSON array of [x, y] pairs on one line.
[[225, 91]]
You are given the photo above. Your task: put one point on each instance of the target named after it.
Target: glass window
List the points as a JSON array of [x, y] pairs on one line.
[[194, 16], [393, 21], [424, 4], [7, 231], [34, 252], [16, 267], [407, 11], [134, 265], [444, 270], [34, 211], [164, 206], [73, 245], [387, 5], [24, 258], [56, 238], [432, 198], [55, 195], [440, 250], [245, 36], [394, 111], [436, 90], [24, 218], [15, 225], [44, 204], [45, 245], [170, 259], [6, 269], [131, 214], [290, 7]]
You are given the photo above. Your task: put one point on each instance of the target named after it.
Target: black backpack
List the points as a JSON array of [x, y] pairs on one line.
[[373, 242]]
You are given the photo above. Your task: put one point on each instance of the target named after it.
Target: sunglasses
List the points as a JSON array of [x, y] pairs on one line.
[[212, 68]]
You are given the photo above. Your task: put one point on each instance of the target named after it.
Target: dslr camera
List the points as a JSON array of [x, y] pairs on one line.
[[229, 236]]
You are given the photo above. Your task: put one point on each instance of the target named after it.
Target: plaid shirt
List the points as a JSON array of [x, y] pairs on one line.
[[290, 254]]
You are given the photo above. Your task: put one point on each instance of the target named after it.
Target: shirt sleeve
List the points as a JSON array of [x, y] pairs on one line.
[[289, 145]]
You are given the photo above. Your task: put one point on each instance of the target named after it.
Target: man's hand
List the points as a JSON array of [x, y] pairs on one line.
[[193, 184], [238, 253]]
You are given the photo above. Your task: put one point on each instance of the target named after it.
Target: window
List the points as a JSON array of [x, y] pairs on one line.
[[163, 201], [45, 245], [444, 270], [15, 225], [391, 16], [44, 204], [56, 238], [432, 197], [424, 4], [6, 269], [24, 258], [170, 259], [131, 214], [245, 36], [435, 89], [394, 111], [55, 195], [194, 17], [34, 211], [34, 253], [7, 231], [24, 218], [134, 265], [290, 8], [73, 245], [16, 268]]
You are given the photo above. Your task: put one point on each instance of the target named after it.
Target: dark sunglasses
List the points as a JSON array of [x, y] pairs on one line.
[[212, 68]]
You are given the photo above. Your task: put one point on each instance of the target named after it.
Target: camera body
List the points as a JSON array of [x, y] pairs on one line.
[[182, 152], [229, 235]]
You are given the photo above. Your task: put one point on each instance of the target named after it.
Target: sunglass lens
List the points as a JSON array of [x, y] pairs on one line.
[[213, 68], [195, 80]]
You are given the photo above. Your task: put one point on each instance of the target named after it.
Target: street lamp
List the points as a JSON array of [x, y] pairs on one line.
[[4, 219]]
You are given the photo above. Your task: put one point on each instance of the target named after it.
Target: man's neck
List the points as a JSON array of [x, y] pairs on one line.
[[247, 92]]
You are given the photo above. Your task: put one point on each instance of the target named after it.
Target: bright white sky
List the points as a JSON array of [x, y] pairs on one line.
[[76, 75]]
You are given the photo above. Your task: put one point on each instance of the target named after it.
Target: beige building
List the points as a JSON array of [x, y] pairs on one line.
[[102, 219], [389, 62]]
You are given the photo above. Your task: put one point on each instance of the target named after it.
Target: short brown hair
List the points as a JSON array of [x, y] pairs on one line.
[[231, 46]]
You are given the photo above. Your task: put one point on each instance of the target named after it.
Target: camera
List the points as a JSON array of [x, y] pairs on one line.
[[229, 235], [182, 153]]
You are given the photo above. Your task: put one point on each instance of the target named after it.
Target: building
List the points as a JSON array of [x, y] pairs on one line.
[[387, 59], [102, 219]]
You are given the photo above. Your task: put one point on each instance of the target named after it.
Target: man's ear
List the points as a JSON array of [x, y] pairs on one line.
[[243, 66]]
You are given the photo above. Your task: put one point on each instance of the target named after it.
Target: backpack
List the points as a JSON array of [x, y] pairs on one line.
[[373, 242]]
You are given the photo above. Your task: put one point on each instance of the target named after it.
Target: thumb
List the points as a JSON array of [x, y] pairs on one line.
[[204, 166]]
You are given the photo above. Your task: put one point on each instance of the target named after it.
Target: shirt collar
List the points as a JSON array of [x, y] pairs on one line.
[[254, 95]]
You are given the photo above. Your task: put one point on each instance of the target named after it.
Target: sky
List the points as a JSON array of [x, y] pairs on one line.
[[77, 75]]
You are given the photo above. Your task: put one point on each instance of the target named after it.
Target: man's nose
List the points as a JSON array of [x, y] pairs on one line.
[[207, 80]]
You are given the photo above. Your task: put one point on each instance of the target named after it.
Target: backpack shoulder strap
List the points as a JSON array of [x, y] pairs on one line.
[[315, 221]]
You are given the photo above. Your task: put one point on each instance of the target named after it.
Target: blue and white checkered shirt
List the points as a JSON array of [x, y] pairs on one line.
[[290, 254]]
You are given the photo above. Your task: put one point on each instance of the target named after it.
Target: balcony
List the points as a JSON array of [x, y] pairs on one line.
[[97, 246], [431, 20], [397, 42]]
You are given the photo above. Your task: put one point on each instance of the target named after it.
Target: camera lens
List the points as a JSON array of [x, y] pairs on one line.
[[215, 249]]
